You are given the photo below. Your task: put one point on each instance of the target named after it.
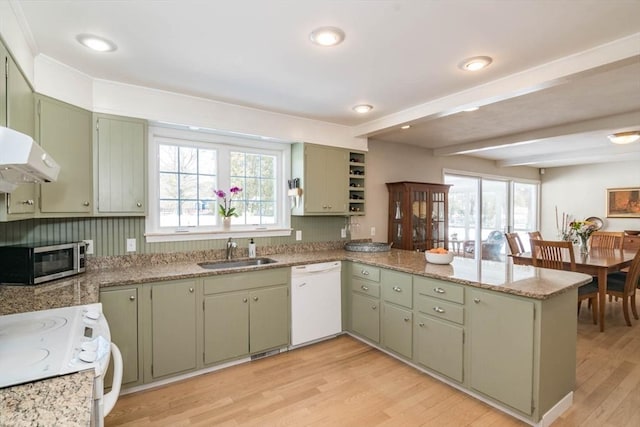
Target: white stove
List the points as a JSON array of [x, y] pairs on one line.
[[49, 343]]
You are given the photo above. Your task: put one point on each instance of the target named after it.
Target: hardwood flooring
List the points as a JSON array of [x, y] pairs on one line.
[[343, 382]]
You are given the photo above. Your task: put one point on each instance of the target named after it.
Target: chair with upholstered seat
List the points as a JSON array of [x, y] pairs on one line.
[[549, 254], [623, 285], [514, 242], [607, 239]]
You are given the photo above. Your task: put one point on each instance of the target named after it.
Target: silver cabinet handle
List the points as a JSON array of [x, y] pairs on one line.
[[27, 202], [245, 300], [397, 288], [438, 290], [438, 309], [374, 307], [255, 298], [85, 204], [406, 319], [364, 272], [421, 324], [139, 204], [476, 300], [132, 298], [191, 290], [364, 288]]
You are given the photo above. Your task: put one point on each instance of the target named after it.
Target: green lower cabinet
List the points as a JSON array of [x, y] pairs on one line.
[[173, 327], [237, 324], [365, 316], [120, 307], [501, 348], [268, 319], [226, 326], [440, 346], [397, 330]]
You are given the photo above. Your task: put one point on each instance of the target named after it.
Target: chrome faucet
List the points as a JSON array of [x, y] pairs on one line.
[[231, 245]]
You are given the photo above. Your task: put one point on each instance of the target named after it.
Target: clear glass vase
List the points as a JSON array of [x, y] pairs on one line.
[[584, 244]]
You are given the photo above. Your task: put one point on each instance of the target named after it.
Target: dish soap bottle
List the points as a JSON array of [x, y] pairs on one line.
[[252, 249]]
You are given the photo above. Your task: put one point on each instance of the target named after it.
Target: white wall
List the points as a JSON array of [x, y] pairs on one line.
[[391, 162], [18, 45], [581, 192]]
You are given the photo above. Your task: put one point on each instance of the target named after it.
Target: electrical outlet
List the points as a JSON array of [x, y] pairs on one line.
[[373, 231], [298, 235], [343, 232], [89, 249], [131, 245]]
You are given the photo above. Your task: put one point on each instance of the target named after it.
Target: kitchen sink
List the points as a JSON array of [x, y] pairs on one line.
[[249, 262]]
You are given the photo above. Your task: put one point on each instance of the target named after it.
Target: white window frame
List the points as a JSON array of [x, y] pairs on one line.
[[223, 144]]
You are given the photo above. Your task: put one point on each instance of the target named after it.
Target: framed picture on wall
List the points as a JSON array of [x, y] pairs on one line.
[[623, 202]]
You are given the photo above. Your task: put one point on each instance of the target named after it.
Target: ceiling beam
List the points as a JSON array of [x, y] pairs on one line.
[[600, 155], [612, 123]]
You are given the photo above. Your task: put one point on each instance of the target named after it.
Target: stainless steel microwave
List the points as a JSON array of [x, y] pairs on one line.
[[30, 264]]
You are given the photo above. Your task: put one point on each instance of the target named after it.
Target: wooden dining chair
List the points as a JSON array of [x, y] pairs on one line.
[[549, 254], [623, 285], [607, 239], [535, 235], [514, 242]]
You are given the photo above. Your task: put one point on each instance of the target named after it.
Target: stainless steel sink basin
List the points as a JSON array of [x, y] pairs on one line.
[[249, 262]]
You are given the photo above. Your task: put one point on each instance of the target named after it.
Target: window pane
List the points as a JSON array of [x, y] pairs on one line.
[[268, 189], [188, 213], [168, 213], [252, 165], [206, 187], [168, 185], [207, 162], [268, 213], [252, 189], [208, 212], [237, 164], [188, 159], [168, 158], [188, 186], [267, 167]]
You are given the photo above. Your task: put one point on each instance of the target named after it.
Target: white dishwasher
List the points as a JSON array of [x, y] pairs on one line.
[[316, 310]]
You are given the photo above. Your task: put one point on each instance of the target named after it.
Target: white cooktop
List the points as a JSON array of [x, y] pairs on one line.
[[48, 343]]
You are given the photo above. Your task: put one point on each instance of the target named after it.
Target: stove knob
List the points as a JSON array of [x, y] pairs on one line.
[[92, 314], [89, 345], [88, 356]]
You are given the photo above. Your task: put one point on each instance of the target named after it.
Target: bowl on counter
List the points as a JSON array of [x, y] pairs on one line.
[[632, 232], [435, 258]]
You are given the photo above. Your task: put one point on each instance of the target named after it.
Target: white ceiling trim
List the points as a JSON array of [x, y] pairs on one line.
[[528, 81], [600, 155]]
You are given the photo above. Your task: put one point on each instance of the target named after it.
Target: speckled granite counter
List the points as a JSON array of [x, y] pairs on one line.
[[61, 401], [84, 289]]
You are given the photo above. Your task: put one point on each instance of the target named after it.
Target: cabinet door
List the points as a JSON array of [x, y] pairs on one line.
[[268, 318], [337, 180], [173, 327], [501, 348], [226, 326], [326, 180], [119, 166], [20, 117], [439, 346], [397, 327], [120, 307], [365, 316], [64, 131]]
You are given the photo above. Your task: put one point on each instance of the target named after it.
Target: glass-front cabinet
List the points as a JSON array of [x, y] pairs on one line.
[[418, 215]]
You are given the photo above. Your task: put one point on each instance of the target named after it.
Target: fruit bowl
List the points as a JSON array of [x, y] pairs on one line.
[[436, 258]]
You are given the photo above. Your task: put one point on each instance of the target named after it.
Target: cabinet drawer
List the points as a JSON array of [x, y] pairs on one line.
[[366, 272], [631, 243], [365, 287], [243, 281], [397, 288], [441, 309], [439, 289]]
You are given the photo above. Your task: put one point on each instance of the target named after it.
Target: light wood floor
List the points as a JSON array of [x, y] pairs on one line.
[[342, 382]]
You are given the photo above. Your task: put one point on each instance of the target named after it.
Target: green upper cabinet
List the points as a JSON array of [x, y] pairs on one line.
[[16, 112], [324, 178], [64, 131], [119, 186]]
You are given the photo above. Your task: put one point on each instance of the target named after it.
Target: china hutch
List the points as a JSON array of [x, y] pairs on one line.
[[418, 215]]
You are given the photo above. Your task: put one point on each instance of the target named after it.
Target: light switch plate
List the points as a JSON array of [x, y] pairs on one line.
[[298, 234], [131, 245], [373, 231], [89, 249], [343, 232]]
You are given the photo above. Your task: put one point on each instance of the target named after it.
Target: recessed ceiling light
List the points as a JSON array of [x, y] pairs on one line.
[[362, 108], [624, 137], [96, 43], [327, 36], [470, 109], [405, 127], [476, 63]]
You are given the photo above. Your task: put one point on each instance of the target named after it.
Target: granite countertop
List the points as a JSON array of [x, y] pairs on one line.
[[85, 289], [60, 401]]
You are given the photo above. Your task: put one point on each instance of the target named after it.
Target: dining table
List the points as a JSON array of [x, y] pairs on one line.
[[598, 262]]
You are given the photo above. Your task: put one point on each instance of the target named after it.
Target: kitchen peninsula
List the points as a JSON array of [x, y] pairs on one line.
[[475, 299]]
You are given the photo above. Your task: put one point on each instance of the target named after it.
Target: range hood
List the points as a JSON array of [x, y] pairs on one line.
[[23, 161]]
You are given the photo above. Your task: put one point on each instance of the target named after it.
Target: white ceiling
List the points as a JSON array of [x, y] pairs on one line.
[[565, 73]]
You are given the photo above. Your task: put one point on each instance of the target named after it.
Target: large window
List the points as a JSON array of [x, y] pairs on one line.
[[185, 170]]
